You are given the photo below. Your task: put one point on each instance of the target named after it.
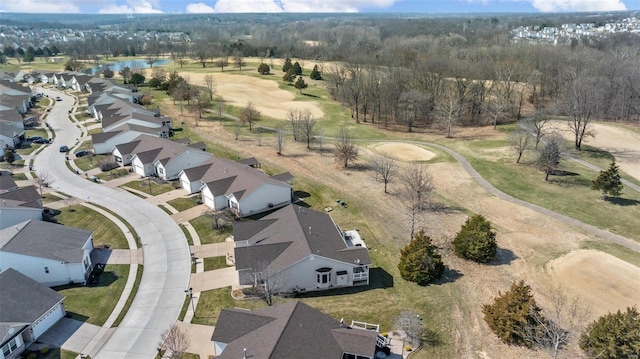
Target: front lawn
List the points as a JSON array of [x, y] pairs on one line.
[[104, 231], [94, 304], [203, 226], [212, 301], [213, 263], [182, 204], [150, 186]]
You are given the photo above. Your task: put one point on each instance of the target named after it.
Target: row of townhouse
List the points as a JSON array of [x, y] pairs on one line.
[[16, 102], [34, 255]]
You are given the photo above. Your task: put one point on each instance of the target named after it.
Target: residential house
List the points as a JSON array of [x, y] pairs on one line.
[[13, 95], [79, 82], [10, 136], [238, 186], [105, 142], [27, 310], [18, 204], [290, 330], [300, 249], [46, 77], [151, 156], [14, 118], [49, 253], [64, 79]]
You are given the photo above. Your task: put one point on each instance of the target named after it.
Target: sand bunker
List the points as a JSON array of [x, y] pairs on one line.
[[264, 94], [404, 152], [603, 281]]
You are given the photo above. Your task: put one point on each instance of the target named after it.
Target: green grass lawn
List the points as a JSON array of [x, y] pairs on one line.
[[570, 195], [104, 231], [600, 158], [25, 151], [48, 198], [116, 173], [94, 304], [207, 235], [36, 132], [154, 190], [89, 162], [186, 234], [212, 301], [95, 131], [53, 353], [19, 177], [213, 263], [182, 204]]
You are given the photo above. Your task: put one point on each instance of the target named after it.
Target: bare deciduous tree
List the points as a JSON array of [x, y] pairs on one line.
[[175, 342], [384, 166], [200, 103], [417, 185], [557, 326], [249, 115], [210, 83], [448, 109], [267, 281], [538, 125], [519, 139], [295, 116], [280, 134], [583, 102], [549, 155], [346, 149], [43, 179], [410, 323], [218, 219], [222, 63], [307, 127]]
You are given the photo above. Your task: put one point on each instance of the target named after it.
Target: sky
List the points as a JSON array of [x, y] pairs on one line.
[[239, 6]]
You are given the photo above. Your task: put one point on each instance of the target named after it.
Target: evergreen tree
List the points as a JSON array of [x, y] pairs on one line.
[[9, 156], [263, 69], [476, 241], [512, 314], [608, 181], [297, 69], [420, 261], [315, 74], [289, 76], [287, 65], [300, 84], [614, 335]]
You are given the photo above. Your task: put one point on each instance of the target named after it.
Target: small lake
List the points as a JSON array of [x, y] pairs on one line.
[[119, 65]]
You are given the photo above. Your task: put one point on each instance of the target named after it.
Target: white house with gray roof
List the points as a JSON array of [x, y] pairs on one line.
[[298, 249], [27, 310], [17, 204], [49, 253]]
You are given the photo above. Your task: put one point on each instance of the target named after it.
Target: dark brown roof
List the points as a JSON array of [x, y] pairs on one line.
[[291, 330], [284, 177], [308, 231], [251, 161]]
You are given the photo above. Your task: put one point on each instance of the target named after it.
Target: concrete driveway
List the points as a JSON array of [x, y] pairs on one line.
[[166, 253], [69, 334], [214, 279]]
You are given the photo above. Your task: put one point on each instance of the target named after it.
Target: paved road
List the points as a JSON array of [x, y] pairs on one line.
[[166, 254], [631, 244]]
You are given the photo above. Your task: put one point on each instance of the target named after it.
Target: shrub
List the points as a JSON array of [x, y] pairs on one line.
[[420, 261], [476, 241], [263, 69], [315, 74], [44, 350], [513, 314], [108, 166], [613, 335], [32, 355]]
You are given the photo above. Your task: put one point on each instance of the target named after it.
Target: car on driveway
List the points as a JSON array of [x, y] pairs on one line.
[[64, 149], [41, 140], [83, 153]]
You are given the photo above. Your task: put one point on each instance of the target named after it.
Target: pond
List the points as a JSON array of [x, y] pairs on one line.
[[119, 65]]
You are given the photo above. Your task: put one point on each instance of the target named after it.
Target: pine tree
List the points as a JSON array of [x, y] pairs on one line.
[[476, 241], [300, 84], [420, 261], [287, 65], [608, 181], [288, 77], [315, 74], [297, 69], [263, 69], [614, 335], [513, 314]]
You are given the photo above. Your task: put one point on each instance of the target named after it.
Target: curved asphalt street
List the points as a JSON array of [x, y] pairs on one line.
[[167, 263]]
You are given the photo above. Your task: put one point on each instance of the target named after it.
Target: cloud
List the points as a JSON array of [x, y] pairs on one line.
[[199, 7], [578, 5], [132, 6], [299, 5], [41, 6]]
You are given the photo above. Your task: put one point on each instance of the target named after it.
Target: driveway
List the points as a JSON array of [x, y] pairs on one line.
[[214, 279], [69, 334], [166, 254]]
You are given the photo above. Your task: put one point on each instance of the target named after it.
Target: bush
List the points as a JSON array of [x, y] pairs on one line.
[[32, 355], [476, 241], [513, 314], [420, 261], [108, 166], [315, 74], [263, 69], [44, 350], [614, 335]]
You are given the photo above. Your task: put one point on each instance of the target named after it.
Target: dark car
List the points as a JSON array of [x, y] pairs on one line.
[[84, 153], [64, 149], [40, 141], [34, 138]]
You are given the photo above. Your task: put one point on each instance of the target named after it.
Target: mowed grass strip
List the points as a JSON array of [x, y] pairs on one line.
[[211, 302], [104, 231], [213, 263], [94, 304], [150, 186], [182, 204]]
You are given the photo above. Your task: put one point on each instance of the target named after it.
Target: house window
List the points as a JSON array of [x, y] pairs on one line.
[[86, 263], [323, 275], [46, 269], [5, 350], [13, 345]]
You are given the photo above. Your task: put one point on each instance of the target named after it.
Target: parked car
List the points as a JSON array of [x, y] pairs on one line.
[[41, 141], [34, 138], [64, 149], [83, 153], [58, 98]]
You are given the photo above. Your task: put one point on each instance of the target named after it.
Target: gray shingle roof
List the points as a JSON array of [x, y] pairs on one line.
[[22, 299], [6, 181], [21, 197], [308, 231], [290, 330], [45, 240]]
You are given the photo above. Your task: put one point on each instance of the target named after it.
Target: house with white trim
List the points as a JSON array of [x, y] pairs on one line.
[[297, 249], [27, 310], [105, 142], [49, 253], [237, 185], [18, 204], [290, 330]]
